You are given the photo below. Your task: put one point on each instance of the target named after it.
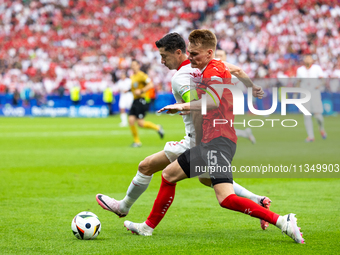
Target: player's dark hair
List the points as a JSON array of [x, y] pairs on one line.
[[172, 42], [135, 60]]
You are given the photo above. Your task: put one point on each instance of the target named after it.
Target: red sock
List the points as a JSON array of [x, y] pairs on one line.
[[166, 195], [248, 206]]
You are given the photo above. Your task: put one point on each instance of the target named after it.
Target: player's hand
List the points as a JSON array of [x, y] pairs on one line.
[[258, 92], [138, 92], [171, 109]]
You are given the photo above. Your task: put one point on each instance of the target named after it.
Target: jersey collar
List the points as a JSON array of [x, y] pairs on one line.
[[184, 63], [206, 66]]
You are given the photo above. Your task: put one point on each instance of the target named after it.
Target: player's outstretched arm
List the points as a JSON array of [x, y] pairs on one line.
[[257, 91], [174, 108], [244, 78]]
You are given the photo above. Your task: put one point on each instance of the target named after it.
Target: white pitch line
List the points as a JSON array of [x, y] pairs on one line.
[[66, 133], [77, 133]]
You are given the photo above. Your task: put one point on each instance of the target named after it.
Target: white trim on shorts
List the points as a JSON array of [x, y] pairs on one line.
[[174, 149]]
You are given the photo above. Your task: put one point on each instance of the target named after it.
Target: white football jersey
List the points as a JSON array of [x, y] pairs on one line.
[[181, 83], [124, 85], [309, 77]]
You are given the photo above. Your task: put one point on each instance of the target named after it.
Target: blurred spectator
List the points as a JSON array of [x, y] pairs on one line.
[[108, 99], [16, 98], [75, 95], [125, 98], [61, 88], [26, 94]]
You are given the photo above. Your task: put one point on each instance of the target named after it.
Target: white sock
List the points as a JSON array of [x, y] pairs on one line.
[[241, 133], [280, 222], [242, 192], [319, 119], [138, 185], [309, 126], [123, 118], [146, 227]]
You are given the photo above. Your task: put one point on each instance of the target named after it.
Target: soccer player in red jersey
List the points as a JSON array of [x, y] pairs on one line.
[[216, 149]]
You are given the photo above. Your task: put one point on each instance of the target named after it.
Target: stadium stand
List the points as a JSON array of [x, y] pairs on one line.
[[49, 46]]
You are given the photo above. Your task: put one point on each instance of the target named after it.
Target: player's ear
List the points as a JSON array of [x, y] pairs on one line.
[[211, 53], [178, 52]]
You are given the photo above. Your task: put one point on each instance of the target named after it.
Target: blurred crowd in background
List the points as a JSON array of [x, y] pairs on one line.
[[50, 46]]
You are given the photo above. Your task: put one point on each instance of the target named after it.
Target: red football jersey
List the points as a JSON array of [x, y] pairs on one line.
[[217, 73]]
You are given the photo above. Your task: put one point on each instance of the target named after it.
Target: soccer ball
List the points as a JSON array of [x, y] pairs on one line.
[[86, 226]]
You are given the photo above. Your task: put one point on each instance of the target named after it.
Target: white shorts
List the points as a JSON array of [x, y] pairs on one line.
[[314, 105], [125, 100], [174, 149]]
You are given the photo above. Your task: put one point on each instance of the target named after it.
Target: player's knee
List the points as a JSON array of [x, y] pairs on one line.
[[144, 167], [169, 175], [131, 121], [140, 124]]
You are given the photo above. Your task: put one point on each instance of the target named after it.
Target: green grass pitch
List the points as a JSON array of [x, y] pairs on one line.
[[52, 168]]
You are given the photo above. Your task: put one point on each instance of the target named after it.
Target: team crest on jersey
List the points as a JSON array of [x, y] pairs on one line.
[[135, 84], [196, 76]]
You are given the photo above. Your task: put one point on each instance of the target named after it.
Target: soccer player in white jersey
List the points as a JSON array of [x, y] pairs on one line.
[[309, 78], [125, 98], [246, 133], [172, 49]]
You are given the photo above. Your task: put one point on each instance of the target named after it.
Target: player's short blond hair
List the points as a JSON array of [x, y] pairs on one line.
[[203, 37]]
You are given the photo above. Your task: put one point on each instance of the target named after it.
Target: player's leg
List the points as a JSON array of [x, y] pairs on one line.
[[309, 128], [223, 186], [227, 199], [318, 109], [125, 103], [142, 110], [148, 124], [247, 133], [171, 174], [320, 121], [146, 169], [138, 185], [123, 114], [176, 171], [136, 141], [141, 181], [243, 192], [308, 123], [123, 118], [239, 190]]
